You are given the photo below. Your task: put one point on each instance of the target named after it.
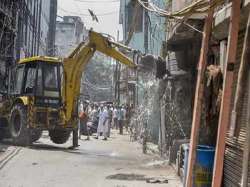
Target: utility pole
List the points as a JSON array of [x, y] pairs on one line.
[[118, 81], [117, 77], [112, 80], [127, 87]]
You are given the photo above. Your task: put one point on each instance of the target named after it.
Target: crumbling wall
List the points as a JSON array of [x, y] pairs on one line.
[[178, 97]]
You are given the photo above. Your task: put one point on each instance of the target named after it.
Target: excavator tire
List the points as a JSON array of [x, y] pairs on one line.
[[2, 130], [36, 135], [1, 134], [20, 134], [59, 136]]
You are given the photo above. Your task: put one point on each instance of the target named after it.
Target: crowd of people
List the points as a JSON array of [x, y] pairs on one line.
[[101, 118]]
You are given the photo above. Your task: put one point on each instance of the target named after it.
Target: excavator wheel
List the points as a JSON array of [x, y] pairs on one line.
[[59, 136], [1, 134], [36, 135], [75, 138], [2, 128], [20, 134]]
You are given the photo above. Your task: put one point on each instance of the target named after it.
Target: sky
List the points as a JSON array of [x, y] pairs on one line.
[[107, 12]]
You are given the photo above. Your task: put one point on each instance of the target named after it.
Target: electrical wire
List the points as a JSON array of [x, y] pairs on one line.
[[83, 1], [81, 14], [199, 6], [192, 27]]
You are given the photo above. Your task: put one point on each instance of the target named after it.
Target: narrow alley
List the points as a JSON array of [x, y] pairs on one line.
[[120, 93], [96, 163]]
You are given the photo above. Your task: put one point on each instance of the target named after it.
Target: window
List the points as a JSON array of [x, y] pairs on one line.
[[134, 11], [30, 80], [16, 80], [51, 80], [61, 78], [39, 89], [50, 77]]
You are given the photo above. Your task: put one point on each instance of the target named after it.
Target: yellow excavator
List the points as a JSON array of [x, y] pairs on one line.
[[42, 92]]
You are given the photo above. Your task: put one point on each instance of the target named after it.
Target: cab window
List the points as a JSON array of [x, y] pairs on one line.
[[30, 79], [16, 80]]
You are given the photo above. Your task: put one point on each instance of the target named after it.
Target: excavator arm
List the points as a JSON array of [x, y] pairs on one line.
[[75, 64]]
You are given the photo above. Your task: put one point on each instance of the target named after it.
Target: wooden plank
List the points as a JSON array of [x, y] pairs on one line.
[[224, 118], [199, 97]]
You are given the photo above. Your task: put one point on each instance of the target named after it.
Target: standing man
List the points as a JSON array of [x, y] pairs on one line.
[[120, 120], [105, 116], [83, 118], [80, 110], [124, 117], [93, 118], [88, 111], [109, 109], [115, 117], [100, 122]]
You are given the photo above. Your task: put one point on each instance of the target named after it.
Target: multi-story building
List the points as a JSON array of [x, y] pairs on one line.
[[144, 31], [69, 33], [183, 45], [149, 29], [126, 87], [36, 28], [27, 29]]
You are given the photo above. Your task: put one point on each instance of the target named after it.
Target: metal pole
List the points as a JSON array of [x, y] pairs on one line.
[[117, 77], [127, 88], [119, 81]]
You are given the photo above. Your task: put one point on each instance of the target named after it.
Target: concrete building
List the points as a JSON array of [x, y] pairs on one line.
[[182, 53], [27, 29], [150, 30], [148, 36], [127, 9], [183, 47], [37, 31], [69, 33]]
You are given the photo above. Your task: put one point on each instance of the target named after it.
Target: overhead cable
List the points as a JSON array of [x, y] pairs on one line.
[[111, 1], [81, 14], [200, 6]]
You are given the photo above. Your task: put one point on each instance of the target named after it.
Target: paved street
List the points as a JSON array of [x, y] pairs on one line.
[[97, 163]]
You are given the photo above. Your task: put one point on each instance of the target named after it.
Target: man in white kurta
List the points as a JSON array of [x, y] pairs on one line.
[[103, 124]]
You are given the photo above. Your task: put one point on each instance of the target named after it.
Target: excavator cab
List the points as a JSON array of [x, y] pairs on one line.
[[39, 79]]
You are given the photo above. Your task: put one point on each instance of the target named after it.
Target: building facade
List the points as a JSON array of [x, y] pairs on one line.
[[183, 49], [146, 32], [149, 30], [69, 33], [28, 29], [36, 28]]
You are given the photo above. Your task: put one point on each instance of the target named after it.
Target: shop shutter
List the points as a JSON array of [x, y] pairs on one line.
[[234, 145]]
